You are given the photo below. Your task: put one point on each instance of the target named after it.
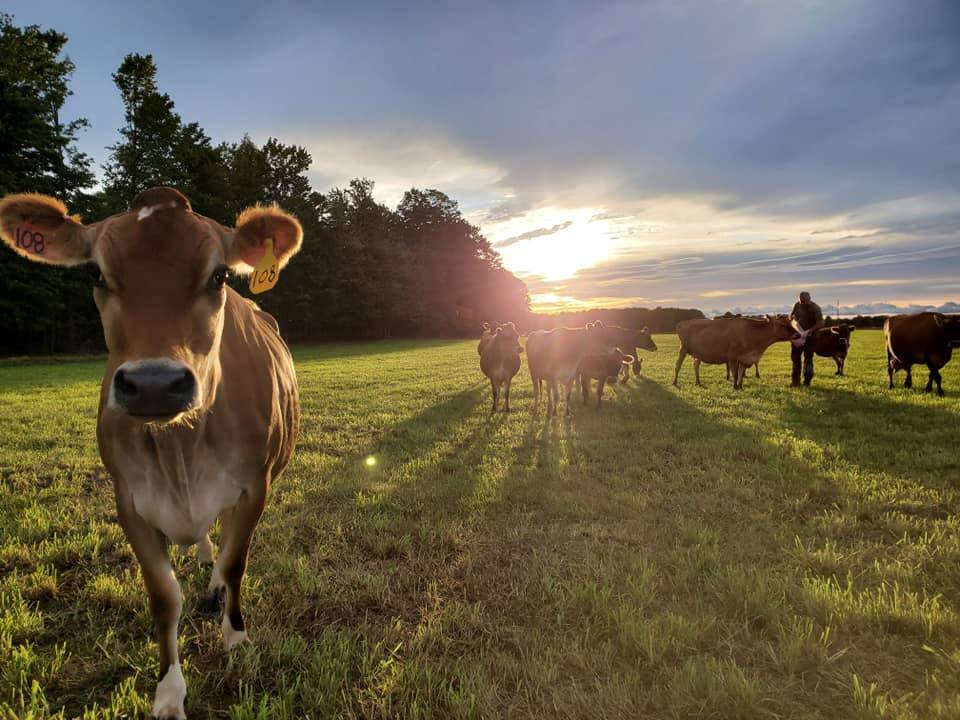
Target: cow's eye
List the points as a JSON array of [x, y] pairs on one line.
[[218, 278]]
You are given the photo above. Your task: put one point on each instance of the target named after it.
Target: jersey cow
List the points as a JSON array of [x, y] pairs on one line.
[[737, 342], [199, 406], [500, 361], [922, 339], [603, 369], [554, 356]]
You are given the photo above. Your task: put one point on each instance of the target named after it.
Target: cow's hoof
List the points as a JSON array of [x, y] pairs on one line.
[[940, 393], [231, 637], [212, 602], [171, 692], [169, 713]]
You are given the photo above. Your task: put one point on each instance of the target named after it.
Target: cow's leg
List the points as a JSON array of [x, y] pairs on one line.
[[232, 562], [625, 374], [676, 370], [551, 397], [728, 372], [166, 603], [934, 378], [536, 391], [908, 383], [495, 386], [839, 360], [741, 374], [506, 394], [756, 371], [696, 371], [205, 550], [600, 383], [584, 387], [890, 369], [567, 391]]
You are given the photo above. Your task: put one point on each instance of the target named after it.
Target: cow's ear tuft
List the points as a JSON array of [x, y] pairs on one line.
[[38, 228], [254, 226]]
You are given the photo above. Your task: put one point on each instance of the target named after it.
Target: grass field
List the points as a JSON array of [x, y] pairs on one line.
[[773, 553]]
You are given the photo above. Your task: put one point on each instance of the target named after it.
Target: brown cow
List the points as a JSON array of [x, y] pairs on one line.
[[925, 338], [603, 369], [834, 342], [199, 407], [555, 355], [500, 361], [630, 341], [738, 342]]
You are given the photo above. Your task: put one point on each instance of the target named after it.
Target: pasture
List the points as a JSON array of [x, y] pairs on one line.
[[691, 553]]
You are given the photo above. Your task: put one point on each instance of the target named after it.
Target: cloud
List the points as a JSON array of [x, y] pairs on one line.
[[530, 234]]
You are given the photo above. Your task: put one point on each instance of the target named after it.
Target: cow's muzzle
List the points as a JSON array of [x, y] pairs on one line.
[[153, 388]]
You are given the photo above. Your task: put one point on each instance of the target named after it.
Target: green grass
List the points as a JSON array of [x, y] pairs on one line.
[[701, 553]]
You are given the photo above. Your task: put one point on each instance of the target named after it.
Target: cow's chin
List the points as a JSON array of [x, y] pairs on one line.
[[186, 418]]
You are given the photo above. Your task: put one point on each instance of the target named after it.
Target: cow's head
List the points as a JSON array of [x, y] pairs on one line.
[[644, 340], [507, 337], [950, 325], [781, 327], [160, 288], [615, 362], [843, 336]]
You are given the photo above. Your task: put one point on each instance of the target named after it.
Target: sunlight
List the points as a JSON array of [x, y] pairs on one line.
[[536, 247]]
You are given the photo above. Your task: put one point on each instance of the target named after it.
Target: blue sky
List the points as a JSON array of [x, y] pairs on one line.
[[712, 154]]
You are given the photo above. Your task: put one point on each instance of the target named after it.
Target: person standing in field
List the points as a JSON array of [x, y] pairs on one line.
[[807, 318]]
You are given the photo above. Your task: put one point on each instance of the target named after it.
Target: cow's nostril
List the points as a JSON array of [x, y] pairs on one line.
[[183, 385], [124, 385]]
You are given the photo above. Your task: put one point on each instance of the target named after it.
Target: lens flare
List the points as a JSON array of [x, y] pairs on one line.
[[370, 461]]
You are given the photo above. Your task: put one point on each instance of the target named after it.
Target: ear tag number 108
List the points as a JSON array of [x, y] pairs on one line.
[[265, 274]]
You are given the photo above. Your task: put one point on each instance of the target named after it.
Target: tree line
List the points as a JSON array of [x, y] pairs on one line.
[[364, 271]]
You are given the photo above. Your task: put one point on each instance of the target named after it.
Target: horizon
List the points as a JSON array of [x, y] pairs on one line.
[[712, 157]]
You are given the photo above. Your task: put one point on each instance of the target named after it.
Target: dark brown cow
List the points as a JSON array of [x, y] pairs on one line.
[[500, 361], [922, 339], [834, 342], [199, 408], [555, 355], [630, 341], [738, 342], [603, 369]]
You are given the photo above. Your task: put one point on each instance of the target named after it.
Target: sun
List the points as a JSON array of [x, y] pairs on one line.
[[583, 243]]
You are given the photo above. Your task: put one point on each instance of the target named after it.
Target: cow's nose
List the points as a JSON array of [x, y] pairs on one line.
[[151, 388]]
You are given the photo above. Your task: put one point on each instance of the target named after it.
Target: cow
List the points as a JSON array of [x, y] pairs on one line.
[[500, 361], [554, 356], [603, 369], [738, 342], [484, 338], [834, 342], [926, 338], [199, 405], [629, 341]]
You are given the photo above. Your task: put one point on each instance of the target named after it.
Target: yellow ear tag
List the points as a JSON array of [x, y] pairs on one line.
[[265, 274]]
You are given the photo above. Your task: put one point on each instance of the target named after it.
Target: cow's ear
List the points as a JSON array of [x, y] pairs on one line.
[[38, 228], [255, 225], [851, 328]]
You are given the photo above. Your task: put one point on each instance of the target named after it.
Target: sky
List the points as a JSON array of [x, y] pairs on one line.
[[719, 155]]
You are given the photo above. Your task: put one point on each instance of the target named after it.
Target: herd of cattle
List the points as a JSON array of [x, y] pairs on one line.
[[601, 352], [199, 405]]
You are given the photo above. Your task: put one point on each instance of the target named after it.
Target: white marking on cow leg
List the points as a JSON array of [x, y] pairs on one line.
[[205, 550], [171, 692], [231, 637]]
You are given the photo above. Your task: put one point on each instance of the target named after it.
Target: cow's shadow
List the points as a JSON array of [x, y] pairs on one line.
[[882, 431]]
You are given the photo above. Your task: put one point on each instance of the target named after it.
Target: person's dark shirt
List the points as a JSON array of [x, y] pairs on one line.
[[807, 315]]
